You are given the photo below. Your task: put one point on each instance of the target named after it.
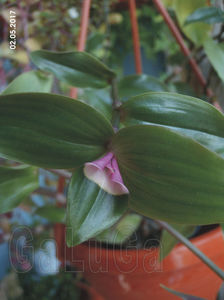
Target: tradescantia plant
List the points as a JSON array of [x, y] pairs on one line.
[[158, 154]]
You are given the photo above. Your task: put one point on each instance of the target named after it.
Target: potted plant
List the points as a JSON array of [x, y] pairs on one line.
[[137, 273], [147, 154]]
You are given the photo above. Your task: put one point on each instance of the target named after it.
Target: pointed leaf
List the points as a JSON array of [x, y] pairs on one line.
[[52, 213], [168, 241], [134, 85], [76, 68], [16, 183], [220, 295], [50, 130], [121, 232], [95, 41], [90, 210], [187, 115], [182, 295], [207, 15], [169, 176], [33, 81]]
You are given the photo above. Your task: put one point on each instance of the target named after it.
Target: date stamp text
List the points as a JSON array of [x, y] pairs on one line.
[[12, 30]]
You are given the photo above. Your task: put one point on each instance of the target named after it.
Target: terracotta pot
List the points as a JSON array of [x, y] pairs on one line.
[[137, 274]]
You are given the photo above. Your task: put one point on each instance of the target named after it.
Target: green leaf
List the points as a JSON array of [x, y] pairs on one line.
[[52, 213], [197, 32], [220, 295], [99, 99], [16, 183], [79, 69], [121, 232], [209, 15], [134, 85], [51, 131], [33, 81], [182, 295], [94, 41], [215, 54], [181, 87], [90, 210], [169, 176], [222, 227], [187, 115], [168, 241]]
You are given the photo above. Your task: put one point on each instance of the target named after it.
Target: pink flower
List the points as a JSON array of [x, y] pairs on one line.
[[105, 172]]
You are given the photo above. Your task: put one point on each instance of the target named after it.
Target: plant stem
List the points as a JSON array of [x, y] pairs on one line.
[[186, 51], [114, 94], [192, 248], [115, 104]]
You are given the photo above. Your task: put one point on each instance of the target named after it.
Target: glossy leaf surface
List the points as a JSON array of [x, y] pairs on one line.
[[99, 99], [33, 81], [186, 115], [90, 210], [79, 69], [207, 15], [51, 131], [133, 85], [170, 177], [16, 183]]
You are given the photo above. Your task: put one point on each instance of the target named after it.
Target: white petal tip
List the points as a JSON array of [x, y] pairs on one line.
[[98, 175]]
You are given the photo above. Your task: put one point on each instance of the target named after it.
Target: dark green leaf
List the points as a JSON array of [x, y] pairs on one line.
[[222, 227], [51, 131], [90, 210], [16, 183], [182, 295], [99, 99], [186, 115], [94, 41], [184, 88], [121, 231], [168, 241], [209, 15], [33, 81], [170, 177], [79, 69], [52, 213], [134, 85], [220, 295]]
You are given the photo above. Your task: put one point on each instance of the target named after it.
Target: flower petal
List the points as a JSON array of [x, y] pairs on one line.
[[105, 172]]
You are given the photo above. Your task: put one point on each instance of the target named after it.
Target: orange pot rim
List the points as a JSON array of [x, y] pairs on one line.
[[210, 243]]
